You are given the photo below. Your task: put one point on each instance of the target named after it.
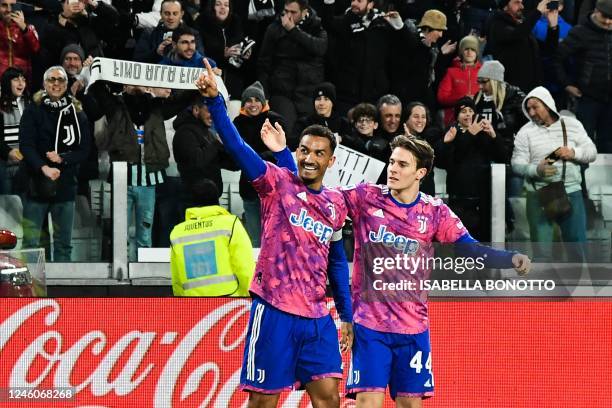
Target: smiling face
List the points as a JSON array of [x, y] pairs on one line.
[[56, 84], [313, 156], [391, 116], [186, 46], [171, 14], [417, 120], [253, 107], [18, 86], [222, 9]]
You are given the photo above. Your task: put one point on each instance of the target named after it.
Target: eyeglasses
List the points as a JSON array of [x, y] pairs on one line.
[[483, 81], [364, 120], [52, 80]]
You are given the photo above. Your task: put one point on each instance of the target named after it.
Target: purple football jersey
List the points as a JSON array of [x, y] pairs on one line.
[[298, 225], [385, 229]]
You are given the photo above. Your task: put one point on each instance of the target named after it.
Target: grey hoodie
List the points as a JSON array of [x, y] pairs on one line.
[[534, 142]]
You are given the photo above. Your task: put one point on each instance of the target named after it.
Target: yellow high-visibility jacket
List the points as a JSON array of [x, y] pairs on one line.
[[211, 254]]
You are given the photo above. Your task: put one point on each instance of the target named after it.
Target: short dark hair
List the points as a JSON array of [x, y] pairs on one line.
[[364, 109], [302, 3], [204, 192], [320, 131], [183, 30], [422, 151]]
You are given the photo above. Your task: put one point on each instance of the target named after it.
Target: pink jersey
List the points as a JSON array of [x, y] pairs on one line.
[[384, 228], [298, 225]]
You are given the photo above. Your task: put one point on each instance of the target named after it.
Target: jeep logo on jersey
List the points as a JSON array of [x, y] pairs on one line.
[[306, 222], [399, 242]]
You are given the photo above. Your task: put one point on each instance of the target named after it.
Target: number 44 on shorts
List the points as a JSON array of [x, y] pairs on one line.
[[417, 363]]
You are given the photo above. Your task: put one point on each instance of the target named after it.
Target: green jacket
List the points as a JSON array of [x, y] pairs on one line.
[[211, 254]]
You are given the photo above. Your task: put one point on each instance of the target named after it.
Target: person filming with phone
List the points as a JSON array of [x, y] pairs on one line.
[[548, 151], [23, 43]]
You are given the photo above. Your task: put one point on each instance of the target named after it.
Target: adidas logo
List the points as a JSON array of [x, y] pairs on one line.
[[302, 196], [378, 213]]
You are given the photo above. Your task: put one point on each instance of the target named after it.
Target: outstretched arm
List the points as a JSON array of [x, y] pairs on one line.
[[242, 153], [275, 140], [493, 258]]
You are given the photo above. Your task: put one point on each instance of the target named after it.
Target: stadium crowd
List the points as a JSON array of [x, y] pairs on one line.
[[525, 83]]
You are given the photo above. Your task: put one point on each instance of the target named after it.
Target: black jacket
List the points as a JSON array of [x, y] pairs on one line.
[[37, 137], [291, 62], [146, 48], [250, 130], [360, 59], [198, 153], [514, 45], [591, 47]]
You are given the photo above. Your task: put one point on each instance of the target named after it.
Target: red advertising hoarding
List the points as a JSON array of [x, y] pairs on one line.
[[165, 352]]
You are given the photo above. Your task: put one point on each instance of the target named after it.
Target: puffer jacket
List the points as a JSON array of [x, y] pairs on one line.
[[460, 80]]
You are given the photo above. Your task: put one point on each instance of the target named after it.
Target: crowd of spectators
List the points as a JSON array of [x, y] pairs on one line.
[[453, 72]]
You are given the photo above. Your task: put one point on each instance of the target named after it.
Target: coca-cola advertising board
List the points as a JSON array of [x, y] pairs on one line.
[[175, 353]]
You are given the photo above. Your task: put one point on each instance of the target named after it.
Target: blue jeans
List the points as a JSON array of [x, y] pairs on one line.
[[596, 117], [141, 203], [252, 221], [573, 226], [62, 215]]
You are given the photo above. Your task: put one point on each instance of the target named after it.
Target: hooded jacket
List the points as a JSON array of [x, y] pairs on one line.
[[534, 142]]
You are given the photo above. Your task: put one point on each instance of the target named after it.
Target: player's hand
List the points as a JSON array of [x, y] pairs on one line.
[[522, 264], [346, 336], [206, 82], [273, 136]]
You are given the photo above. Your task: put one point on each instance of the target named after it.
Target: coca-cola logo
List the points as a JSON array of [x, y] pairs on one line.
[[118, 362]]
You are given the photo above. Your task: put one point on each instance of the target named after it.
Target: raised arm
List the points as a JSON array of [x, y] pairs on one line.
[[242, 153], [274, 139]]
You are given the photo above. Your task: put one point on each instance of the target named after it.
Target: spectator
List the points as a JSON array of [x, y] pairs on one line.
[[477, 14], [86, 22], [54, 140], [419, 124], [198, 153], [414, 64], [390, 116], [361, 53], [552, 18], [252, 116], [290, 61], [136, 134], [589, 45], [222, 34], [19, 41], [155, 43], [184, 52], [363, 138], [461, 78], [324, 97], [535, 143], [512, 43], [13, 101], [499, 102], [466, 153], [220, 265]]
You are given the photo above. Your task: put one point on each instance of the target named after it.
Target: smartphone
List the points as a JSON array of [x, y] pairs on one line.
[[16, 7], [551, 158], [553, 5], [73, 1], [167, 34]]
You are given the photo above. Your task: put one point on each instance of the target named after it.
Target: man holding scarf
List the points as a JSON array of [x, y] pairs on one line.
[[55, 139]]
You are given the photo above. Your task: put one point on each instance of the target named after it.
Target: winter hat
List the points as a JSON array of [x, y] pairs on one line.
[[469, 41], [465, 102], [492, 70], [325, 89], [434, 19], [75, 48], [605, 6], [256, 91]]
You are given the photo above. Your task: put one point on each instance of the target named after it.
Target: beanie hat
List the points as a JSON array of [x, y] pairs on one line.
[[434, 19], [75, 48], [605, 6], [325, 89], [469, 41], [465, 102], [256, 91], [492, 70]]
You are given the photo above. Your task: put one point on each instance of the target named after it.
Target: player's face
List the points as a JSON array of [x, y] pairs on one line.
[[313, 157], [402, 173]]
